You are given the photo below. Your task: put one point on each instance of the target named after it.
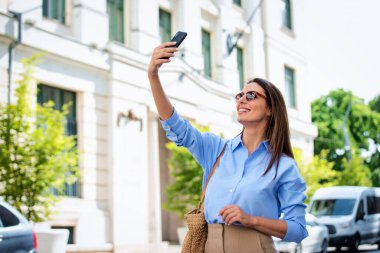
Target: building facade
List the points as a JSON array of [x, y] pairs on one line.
[[95, 55]]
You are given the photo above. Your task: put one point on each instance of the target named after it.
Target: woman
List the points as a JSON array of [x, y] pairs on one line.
[[257, 178]]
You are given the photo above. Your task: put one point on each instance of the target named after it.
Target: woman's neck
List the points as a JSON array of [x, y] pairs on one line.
[[252, 137]]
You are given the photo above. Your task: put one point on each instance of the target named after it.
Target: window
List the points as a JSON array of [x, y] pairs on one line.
[[331, 207], [115, 10], [61, 97], [206, 50], [71, 229], [290, 94], [237, 2], [373, 204], [240, 65], [360, 210], [165, 25], [286, 14], [54, 9], [7, 218]]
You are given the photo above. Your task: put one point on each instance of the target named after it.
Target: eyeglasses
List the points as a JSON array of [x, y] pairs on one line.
[[250, 95]]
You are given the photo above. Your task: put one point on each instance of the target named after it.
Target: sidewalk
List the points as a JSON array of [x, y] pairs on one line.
[[174, 249]]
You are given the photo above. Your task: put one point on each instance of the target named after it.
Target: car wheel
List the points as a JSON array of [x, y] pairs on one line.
[[298, 249], [324, 246], [355, 244]]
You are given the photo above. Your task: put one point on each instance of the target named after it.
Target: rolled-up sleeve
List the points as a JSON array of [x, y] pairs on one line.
[[291, 196], [205, 147], [175, 128]]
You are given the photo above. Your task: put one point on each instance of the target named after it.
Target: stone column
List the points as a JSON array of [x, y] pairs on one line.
[[144, 28], [255, 41], [226, 65], [189, 20], [90, 22]]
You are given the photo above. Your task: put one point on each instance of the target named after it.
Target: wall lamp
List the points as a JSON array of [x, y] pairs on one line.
[[129, 116]]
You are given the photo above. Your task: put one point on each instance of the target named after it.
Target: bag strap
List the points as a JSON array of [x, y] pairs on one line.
[[209, 177]]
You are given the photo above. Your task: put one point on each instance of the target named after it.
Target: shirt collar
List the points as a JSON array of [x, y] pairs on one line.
[[238, 141], [266, 144]]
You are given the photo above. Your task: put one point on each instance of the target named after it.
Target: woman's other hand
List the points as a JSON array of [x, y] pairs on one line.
[[161, 55], [274, 227], [233, 213]]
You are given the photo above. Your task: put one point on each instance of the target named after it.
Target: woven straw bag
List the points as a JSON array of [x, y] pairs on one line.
[[195, 239]]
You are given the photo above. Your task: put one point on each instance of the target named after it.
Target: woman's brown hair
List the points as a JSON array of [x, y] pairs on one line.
[[277, 132]]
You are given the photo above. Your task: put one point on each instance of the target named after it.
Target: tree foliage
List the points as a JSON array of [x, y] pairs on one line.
[[355, 172], [183, 193], [363, 128], [374, 161], [317, 171], [35, 154], [374, 104]]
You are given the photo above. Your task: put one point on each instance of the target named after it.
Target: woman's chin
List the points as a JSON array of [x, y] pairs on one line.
[[241, 120]]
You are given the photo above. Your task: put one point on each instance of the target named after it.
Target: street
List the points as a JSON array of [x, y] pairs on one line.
[[362, 248], [369, 249]]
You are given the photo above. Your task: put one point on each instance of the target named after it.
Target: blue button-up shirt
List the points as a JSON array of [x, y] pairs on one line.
[[239, 179]]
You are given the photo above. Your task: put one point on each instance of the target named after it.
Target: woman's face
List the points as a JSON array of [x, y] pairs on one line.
[[254, 112]]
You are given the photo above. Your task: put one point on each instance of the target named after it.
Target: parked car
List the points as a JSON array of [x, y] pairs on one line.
[[16, 233], [317, 241], [351, 213]]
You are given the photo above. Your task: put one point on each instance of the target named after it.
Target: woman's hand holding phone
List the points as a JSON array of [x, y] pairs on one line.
[[161, 55], [163, 52]]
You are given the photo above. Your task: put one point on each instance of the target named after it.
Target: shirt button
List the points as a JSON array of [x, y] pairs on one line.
[[230, 190]]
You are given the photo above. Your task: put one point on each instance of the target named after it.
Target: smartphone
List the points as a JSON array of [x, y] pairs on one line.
[[178, 37]]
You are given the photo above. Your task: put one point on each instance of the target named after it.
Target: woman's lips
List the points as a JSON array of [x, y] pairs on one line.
[[243, 110]]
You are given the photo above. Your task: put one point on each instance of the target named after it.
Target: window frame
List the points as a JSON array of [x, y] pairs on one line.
[[290, 92], [168, 34], [240, 66], [48, 10], [207, 56], [71, 128], [116, 32], [237, 3], [287, 15]]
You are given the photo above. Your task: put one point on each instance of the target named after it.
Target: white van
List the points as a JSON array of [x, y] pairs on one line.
[[351, 214]]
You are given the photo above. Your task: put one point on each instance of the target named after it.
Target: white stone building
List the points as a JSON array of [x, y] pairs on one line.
[[96, 54]]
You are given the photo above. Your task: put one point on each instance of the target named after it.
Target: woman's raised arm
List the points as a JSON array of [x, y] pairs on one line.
[[160, 55]]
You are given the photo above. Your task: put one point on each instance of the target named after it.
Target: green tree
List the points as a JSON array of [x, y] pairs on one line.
[[183, 193], [35, 154], [355, 172], [328, 114], [362, 125], [374, 160], [374, 104], [317, 171]]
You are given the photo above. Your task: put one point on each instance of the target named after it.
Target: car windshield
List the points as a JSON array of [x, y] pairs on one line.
[[311, 223], [322, 207]]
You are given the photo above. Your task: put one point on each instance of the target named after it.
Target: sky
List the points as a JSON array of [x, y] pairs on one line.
[[343, 46]]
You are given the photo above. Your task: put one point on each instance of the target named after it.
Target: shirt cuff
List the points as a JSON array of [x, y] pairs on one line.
[[170, 121], [295, 232]]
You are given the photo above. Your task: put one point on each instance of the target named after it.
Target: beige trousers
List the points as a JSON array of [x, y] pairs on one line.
[[236, 239]]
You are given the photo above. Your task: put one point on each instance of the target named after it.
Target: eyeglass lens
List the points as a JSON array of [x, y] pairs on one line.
[[250, 95]]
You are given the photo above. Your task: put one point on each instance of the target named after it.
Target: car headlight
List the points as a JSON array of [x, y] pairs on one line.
[[344, 225]]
